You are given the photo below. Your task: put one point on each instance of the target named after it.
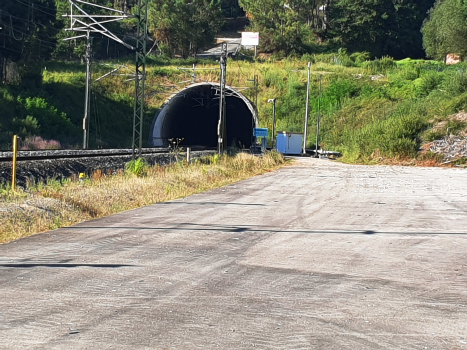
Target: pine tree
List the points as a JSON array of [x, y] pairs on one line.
[[445, 31], [381, 27], [184, 27], [284, 25], [28, 29]]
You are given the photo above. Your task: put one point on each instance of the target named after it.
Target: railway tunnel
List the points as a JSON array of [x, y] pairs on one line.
[[193, 114]]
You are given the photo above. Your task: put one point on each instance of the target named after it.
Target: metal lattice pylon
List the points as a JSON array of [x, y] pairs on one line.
[[82, 21], [140, 76]]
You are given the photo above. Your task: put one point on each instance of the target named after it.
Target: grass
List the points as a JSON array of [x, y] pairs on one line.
[[368, 107], [59, 204]]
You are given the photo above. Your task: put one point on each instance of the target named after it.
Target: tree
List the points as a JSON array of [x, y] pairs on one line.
[[102, 46], [445, 30], [381, 27], [284, 25], [231, 8], [183, 27], [28, 30]]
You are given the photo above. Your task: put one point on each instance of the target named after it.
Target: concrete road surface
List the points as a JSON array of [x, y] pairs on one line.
[[318, 255]]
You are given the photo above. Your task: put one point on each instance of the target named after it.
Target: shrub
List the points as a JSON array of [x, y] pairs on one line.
[[326, 58], [308, 58], [360, 57], [38, 143], [456, 84], [138, 167], [427, 83], [338, 90], [432, 135], [379, 65], [456, 104]]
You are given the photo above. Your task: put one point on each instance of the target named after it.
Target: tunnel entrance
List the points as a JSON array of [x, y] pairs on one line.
[[193, 114]]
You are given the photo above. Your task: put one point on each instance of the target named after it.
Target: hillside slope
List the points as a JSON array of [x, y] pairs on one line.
[[370, 109]]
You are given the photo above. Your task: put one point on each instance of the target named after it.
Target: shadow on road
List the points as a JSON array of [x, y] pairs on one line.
[[212, 203], [250, 228], [104, 266]]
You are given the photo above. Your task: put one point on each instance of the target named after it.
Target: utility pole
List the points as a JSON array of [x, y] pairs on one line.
[[255, 88], [221, 127], [140, 76], [81, 21], [273, 100], [305, 134], [319, 117], [87, 98]]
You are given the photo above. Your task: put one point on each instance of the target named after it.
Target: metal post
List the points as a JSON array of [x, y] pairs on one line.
[[87, 99], [319, 117], [188, 154], [140, 76], [221, 128], [256, 90], [305, 134], [255, 81], [15, 155], [82, 21], [193, 80], [273, 100], [273, 123]]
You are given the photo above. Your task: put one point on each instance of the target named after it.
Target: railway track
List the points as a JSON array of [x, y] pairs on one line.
[[40, 166], [76, 154]]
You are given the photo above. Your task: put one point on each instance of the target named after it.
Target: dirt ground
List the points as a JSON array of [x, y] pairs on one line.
[[318, 255]]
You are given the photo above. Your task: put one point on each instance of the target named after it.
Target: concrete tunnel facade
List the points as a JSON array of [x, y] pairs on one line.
[[193, 114]]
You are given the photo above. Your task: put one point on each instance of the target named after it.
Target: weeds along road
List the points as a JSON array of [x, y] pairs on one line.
[[318, 255]]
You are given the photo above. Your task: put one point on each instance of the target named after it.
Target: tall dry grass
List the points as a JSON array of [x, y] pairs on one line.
[[56, 205]]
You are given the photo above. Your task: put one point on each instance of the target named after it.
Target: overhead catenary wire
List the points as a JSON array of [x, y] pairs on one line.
[[52, 44], [13, 32], [34, 7], [28, 21], [97, 116]]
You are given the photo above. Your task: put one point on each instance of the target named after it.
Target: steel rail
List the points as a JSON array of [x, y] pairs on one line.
[[76, 154]]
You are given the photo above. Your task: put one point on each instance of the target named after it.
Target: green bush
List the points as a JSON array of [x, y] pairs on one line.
[[379, 65], [456, 84], [137, 167], [308, 58], [338, 90], [427, 83], [326, 58], [372, 91], [274, 79], [360, 57], [456, 104], [432, 135]]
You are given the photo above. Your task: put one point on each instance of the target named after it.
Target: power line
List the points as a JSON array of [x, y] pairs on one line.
[[20, 31], [40, 41], [7, 48], [119, 34], [38, 9], [28, 21], [38, 5]]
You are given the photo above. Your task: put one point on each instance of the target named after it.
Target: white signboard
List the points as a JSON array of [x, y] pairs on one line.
[[250, 39]]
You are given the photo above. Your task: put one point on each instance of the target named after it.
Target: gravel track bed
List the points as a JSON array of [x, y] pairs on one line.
[[77, 152], [42, 170]]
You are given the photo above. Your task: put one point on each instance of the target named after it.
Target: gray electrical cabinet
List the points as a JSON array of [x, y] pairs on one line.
[[289, 143]]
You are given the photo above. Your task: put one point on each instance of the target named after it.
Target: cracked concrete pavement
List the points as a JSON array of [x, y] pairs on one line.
[[318, 255]]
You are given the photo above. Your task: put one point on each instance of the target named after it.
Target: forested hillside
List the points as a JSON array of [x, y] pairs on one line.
[[42, 88]]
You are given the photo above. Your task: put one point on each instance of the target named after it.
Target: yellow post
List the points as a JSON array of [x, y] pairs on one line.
[[15, 154]]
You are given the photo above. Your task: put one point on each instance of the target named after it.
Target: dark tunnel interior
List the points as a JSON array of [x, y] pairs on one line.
[[194, 116]]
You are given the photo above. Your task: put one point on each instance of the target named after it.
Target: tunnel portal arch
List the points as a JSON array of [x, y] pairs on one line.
[[193, 114]]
